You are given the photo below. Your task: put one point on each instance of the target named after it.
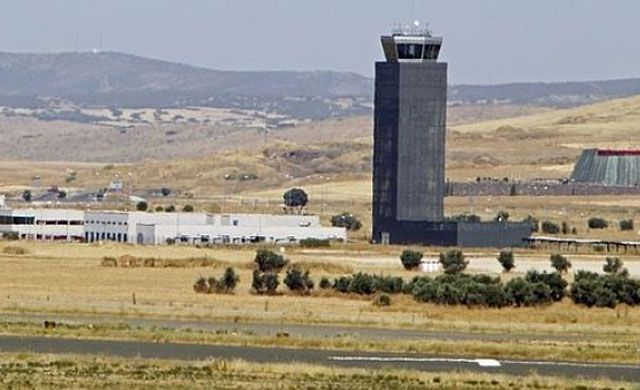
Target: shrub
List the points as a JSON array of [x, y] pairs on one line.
[[346, 220], [560, 263], [142, 206], [591, 289], [341, 284], [159, 209], [264, 283], [505, 258], [614, 265], [565, 228], [502, 216], [453, 261], [411, 259], [268, 261], [626, 224], [226, 284], [201, 285], [535, 224], [314, 243], [383, 300], [165, 191], [188, 208], [466, 217], [525, 293], [325, 283], [550, 228], [299, 281], [229, 280], [10, 236], [170, 209], [362, 284], [14, 250], [597, 223], [554, 281], [27, 196], [598, 248]]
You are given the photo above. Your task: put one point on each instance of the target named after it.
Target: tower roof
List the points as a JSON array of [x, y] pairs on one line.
[[411, 43]]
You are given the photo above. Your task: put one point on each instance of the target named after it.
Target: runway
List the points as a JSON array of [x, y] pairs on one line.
[[196, 352]]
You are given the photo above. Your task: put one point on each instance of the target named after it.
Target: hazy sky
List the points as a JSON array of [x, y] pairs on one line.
[[486, 41]]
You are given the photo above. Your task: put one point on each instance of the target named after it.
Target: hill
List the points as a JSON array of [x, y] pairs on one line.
[[112, 79]]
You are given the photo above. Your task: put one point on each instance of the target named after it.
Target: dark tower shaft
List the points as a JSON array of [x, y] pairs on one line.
[[409, 137]]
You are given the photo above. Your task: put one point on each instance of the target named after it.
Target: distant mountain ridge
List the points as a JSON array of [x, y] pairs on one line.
[[112, 79]]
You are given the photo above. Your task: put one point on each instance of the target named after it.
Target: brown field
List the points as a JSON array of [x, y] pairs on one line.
[[69, 278], [64, 371]]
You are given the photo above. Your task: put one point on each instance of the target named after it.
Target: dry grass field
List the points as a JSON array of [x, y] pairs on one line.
[[64, 371], [69, 278]]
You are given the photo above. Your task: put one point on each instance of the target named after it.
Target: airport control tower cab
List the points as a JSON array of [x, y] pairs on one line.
[[411, 43]]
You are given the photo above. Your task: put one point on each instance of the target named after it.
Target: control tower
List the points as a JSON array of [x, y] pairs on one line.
[[409, 139]]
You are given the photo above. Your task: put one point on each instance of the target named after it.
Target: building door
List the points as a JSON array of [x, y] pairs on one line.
[[384, 238], [140, 239]]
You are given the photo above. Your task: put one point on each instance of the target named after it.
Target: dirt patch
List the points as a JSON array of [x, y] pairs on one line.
[[14, 250], [128, 261]]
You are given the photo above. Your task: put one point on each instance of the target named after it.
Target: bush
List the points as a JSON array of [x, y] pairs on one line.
[[466, 217], [502, 216], [550, 228], [10, 236], [591, 289], [533, 222], [165, 191], [314, 243], [626, 224], [560, 263], [341, 284], [142, 206], [188, 208], [298, 281], [383, 300], [525, 293], [613, 265], [325, 283], [346, 220], [597, 223], [506, 259], [265, 283], [554, 281], [268, 261], [170, 209], [226, 284], [453, 262], [229, 280], [159, 209], [14, 250], [411, 259], [565, 228]]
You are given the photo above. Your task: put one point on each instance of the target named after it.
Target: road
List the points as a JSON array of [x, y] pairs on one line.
[[193, 352], [299, 330]]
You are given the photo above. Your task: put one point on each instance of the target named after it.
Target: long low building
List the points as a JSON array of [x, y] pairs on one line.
[[160, 228]]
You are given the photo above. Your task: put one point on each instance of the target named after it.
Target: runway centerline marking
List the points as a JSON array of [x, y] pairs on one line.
[[480, 362]]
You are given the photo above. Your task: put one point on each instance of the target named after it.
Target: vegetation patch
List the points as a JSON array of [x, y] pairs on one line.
[[128, 261]]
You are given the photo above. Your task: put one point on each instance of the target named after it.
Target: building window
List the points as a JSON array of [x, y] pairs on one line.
[[409, 51]]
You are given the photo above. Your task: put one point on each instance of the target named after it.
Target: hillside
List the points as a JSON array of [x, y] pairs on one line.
[[541, 145], [112, 79]]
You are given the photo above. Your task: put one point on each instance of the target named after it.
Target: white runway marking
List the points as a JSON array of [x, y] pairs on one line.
[[480, 362]]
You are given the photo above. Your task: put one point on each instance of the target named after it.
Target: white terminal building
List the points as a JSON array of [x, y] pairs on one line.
[[161, 228]]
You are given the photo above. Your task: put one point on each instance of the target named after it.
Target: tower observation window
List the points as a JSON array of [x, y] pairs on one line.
[[409, 51]]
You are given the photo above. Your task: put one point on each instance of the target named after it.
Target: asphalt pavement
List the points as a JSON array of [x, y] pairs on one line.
[[271, 329], [198, 352]]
